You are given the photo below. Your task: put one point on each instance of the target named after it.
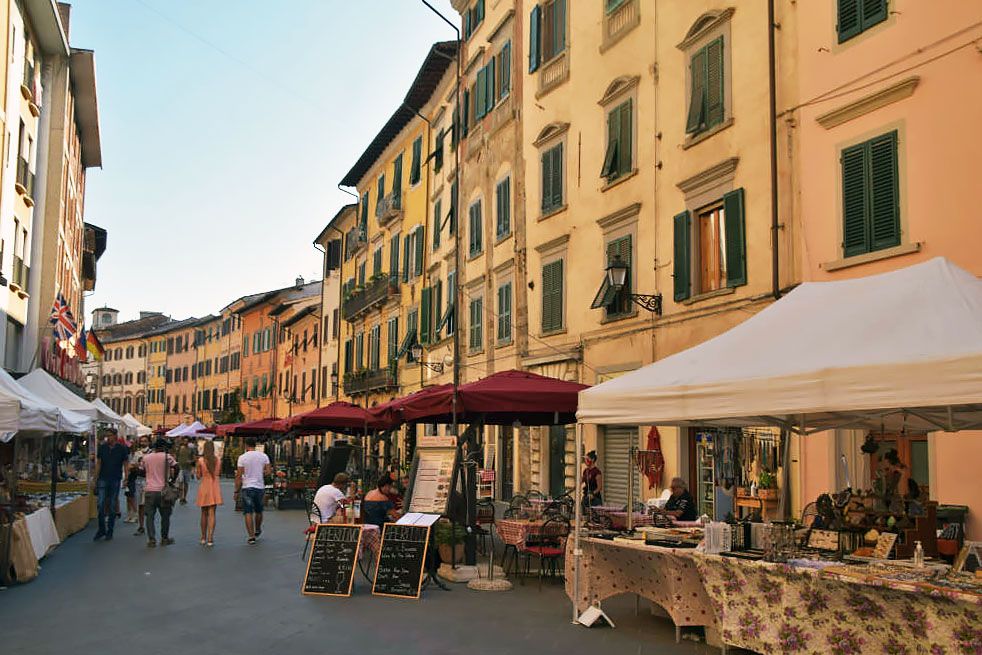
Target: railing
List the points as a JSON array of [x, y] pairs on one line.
[[554, 72], [354, 239], [365, 381], [378, 290], [20, 275], [25, 178], [621, 20], [389, 208]]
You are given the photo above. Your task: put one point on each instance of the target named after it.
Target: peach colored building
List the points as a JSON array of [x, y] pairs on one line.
[[886, 128]]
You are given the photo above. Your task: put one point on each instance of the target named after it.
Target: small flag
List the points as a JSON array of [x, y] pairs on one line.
[[94, 346], [80, 347], [62, 319]]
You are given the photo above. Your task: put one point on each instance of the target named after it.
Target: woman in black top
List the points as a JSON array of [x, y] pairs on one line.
[[377, 508]]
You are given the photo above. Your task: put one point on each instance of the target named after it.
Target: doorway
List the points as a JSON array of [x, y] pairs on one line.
[[557, 460], [506, 461]]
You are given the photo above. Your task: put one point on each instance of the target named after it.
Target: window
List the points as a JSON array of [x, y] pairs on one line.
[[396, 179], [547, 32], [473, 17], [374, 345], [415, 169], [483, 92], [502, 197], [438, 151], [719, 258], [336, 318], [552, 296], [380, 193], [707, 91], [393, 338], [476, 337], [504, 70], [377, 261], [437, 217], [504, 313], [362, 273], [616, 302], [412, 330], [552, 179], [393, 258], [418, 250], [446, 319], [613, 4], [425, 314], [360, 351], [476, 231], [620, 137], [870, 196], [348, 356], [857, 16], [265, 388]]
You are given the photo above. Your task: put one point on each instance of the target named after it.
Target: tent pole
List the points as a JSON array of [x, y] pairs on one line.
[[54, 470], [630, 487], [576, 526]]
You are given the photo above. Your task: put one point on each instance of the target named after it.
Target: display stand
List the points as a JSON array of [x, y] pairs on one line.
[[431, 480]]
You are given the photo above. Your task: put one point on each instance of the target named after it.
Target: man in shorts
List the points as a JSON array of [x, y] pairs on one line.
[[250, 482]]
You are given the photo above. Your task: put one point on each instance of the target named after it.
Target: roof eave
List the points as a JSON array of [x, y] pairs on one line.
[[46, 21], [86, 106]]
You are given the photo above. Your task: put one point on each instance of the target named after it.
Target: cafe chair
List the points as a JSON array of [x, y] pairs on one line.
[[551, 546], [535, 495], [485, 525], [313, 518], [521, 507]]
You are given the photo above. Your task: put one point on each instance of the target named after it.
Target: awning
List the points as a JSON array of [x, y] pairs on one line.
[[134, 427], [187, 429], [23, 410], [896, 351], [250, 429], [336, 417], [45, 386]]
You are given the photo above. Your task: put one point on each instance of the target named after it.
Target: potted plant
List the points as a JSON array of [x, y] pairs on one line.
[[450, 541], [767, 485]]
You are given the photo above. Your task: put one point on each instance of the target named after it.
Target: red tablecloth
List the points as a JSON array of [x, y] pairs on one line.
[[515, 532]]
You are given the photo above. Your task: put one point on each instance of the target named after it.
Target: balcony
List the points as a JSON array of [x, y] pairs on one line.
[[365, 381], [20, 276], [380, 288], [24, 184], [389, 208], [354, 240], [27, 85]]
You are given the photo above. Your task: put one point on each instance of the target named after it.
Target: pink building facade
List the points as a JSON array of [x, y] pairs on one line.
[[888, 139]]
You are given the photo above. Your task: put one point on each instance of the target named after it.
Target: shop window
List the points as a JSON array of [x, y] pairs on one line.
[[870, 196], [857, 16]]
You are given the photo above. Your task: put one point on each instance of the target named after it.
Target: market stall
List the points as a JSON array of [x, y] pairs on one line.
[[133, 428], [870, 364]]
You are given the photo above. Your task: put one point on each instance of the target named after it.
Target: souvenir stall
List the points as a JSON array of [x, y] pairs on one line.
[[821, 359], [27, 523]]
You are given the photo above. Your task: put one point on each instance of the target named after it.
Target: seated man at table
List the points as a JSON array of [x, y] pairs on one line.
[[681, 506], [329, 497]]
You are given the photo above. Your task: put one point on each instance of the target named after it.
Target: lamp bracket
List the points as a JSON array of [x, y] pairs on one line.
[[651, 302]]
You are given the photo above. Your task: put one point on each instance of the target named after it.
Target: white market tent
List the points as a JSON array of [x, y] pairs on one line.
[[899, 350], [107, 410], [22, 410], [46, 387], [187, 430], [134, 428]]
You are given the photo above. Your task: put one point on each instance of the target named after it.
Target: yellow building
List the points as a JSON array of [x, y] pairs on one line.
[[330, 241], [156, 378], [209, 380]]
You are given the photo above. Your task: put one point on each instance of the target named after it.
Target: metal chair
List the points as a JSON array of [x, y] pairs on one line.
[[485, 512], [521, 507], [313, 512], [551, 546], [535, 495]]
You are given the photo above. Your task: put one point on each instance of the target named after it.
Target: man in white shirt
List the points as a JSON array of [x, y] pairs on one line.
[[250, 483], [329, 497]]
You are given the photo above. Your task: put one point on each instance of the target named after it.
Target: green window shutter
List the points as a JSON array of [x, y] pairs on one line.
[[454, 201], [479, 10], [503, 205], [535, 38], [480, 91], [438, 151], [397, 177], [682, 255], [364, 209], [393, 338], [884, 193], [451, 303], [425, 315], [874, 11], [613, 4], [625, 153], [504, 312], [419, 250], [558, 27], [552, 296], [697, 101], [546, 181], [736, 238], [505, 72], [415, 172], [437, 220], [437, 298], [475, 229], [380, 191], [850, 19], [714, 83], [465, 122], [394, 255], [855, 235], [611, 167], [491, 93], [406, 245], [476, 316], [557, 176], [359, 351]]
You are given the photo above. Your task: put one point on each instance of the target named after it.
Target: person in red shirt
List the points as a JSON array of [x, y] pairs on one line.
[[593, 481]]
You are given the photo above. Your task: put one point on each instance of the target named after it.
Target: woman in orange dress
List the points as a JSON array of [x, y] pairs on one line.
[[209, 493]]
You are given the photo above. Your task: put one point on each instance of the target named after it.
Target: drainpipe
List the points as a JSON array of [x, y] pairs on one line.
[[337, 396], [320, 343], [772, 120]]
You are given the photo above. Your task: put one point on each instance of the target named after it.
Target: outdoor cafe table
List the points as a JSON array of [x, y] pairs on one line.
[[766, 607], [515, 532], [666, 576]]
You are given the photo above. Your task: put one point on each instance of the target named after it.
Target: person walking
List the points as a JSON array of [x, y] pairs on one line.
[[159, 467], [250, 484], [186, 462], [111, 462], [140, 479], [209, 492]]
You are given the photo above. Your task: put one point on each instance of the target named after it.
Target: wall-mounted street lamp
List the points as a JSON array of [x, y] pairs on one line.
[[416, 351], [616, 276]]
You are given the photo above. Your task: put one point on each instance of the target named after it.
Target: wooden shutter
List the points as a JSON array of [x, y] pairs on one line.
[[535, 38], [625, 146], [714, 83], [492, 91], [884, 211], [416, 170], [697, 100], [505, 73], [621, 248], [874, 11], [504, 312], [480, 93], [425, 315], [682, 255], [466, 119], [397, 177], [437, 223], [377, 262], [736, 240], [855, 235], [394, 255], [418, 238], [558, 27], [381, 193], [850, 19], [437, 299], [557, 176], [610, 169], [552, 296], [503, 206], [454, 201], [546, 181], [406, 245]]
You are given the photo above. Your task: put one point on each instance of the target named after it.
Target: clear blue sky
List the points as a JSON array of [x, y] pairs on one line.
[[226, 126]]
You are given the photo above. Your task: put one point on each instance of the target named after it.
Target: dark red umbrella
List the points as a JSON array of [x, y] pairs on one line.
[[337, 417], [250, 429], [390, 415]]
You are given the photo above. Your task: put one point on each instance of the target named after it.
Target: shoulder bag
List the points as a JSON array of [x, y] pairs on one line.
[[169, 493]]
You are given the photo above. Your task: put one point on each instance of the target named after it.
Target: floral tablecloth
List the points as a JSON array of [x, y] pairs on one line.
[[665, 576], [773, 608]]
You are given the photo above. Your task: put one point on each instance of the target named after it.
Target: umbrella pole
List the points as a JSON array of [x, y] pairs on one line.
[[577, 524]]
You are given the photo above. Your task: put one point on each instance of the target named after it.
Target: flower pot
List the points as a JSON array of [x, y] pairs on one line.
[[447, 554], [767, 494]]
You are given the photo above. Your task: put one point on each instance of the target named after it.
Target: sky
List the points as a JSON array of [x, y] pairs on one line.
[[226, 126]]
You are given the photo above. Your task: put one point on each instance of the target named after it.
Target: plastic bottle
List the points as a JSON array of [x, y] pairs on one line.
[[918, 555]]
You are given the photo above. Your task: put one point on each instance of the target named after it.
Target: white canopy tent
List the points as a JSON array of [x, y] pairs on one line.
[[133, 428], [43, 385], [187, 430], [22, 410], [107, 410], [899, 350]]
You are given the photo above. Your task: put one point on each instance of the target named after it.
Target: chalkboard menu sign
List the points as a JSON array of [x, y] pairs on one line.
[[333, 554], [401, 560]]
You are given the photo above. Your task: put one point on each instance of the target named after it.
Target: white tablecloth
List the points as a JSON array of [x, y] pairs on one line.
[[41, 528]]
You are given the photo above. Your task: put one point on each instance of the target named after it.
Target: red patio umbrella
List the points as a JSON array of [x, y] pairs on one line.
[[390, 415], [250, 429], [337, 417]]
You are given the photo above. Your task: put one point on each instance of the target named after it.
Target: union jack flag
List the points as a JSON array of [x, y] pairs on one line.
[[62, 319]]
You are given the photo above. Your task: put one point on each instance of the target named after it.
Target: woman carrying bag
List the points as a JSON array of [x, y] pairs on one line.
[[160, 494]]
